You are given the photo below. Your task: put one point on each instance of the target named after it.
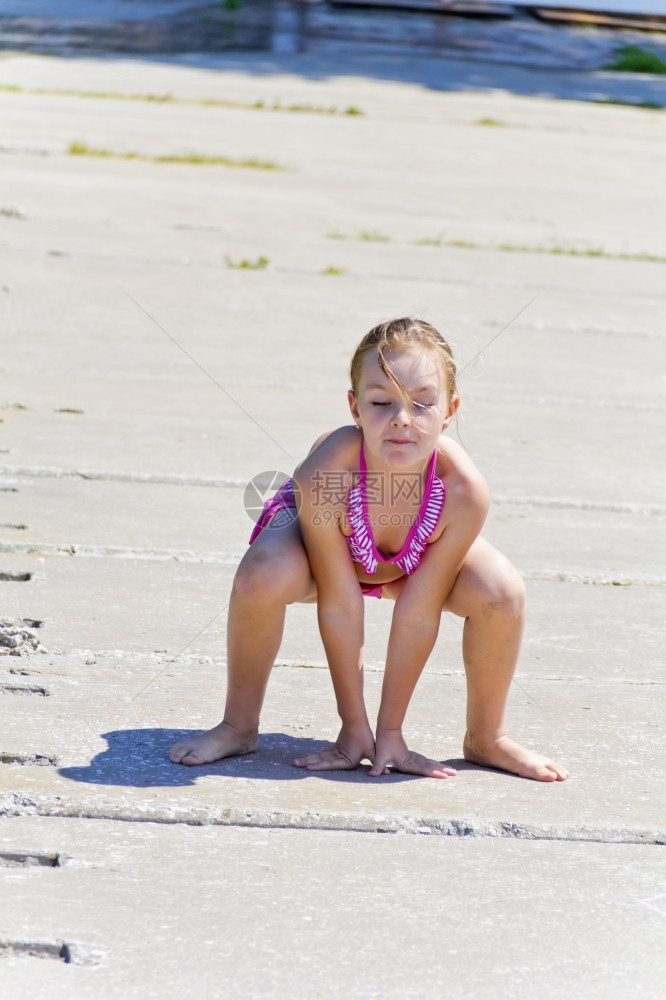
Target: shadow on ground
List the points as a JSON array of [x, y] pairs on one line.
[[139, 758]]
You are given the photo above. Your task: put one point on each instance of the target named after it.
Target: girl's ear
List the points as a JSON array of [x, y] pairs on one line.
[[353, 406], [454, 403]]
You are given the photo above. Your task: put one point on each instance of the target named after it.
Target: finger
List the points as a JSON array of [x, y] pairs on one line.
[[379, 768], [331, 759]]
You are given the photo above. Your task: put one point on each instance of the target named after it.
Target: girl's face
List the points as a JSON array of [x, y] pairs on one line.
[[399, 431]]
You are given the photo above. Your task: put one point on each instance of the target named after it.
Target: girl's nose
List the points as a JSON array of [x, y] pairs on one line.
[[401, 416]]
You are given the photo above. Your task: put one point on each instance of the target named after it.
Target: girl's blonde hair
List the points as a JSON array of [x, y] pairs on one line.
[[398, 335]]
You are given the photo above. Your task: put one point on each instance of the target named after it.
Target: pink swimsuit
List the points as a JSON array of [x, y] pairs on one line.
[[361, 542]]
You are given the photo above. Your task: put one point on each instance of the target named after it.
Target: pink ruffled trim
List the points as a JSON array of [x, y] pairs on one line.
[[361, 542]]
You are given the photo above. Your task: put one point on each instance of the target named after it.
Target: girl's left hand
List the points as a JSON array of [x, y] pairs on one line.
[[354, 744], [392, 752]]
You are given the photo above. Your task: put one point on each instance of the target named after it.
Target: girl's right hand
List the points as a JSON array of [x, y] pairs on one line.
[[353, 745], [393, 752]]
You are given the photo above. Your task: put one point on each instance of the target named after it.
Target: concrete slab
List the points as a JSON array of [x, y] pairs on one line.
[[203, 910], [563, 413], [153, 520], [347, 74], [110, 758], [134, 604], [459, 151]]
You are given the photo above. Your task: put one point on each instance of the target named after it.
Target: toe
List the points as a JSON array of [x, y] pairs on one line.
[[176, 753], [312, 758], [556, 772], [551, 772], [181, 753]]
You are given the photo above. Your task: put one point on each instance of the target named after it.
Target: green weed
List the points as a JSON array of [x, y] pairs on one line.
[[364, 235], [648, 105], [634, 59], [11, 212], [335, 270], [206, 102], [260, 264], [303, 109], [81, 149], [429, 241], [372, 236], [560, 251], [555, 251], [491, 121], [197, 159]]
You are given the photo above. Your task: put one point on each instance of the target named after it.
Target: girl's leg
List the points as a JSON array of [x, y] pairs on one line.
[[490, 595], [273, 573]]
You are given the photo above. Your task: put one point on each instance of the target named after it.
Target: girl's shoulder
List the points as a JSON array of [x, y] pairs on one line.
[[325, 476], [459, 474], [335, 450]]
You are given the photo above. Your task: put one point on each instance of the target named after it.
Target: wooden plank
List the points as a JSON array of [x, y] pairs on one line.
[[638, 22], [432, 6], [469, 8]]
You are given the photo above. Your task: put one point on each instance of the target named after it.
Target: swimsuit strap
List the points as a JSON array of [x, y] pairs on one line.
[[361, 542]]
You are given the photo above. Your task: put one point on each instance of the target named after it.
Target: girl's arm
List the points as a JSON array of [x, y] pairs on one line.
[[415, 624], [339, 602]]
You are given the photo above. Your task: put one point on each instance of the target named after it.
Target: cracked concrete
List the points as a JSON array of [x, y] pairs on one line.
[[121, 484], [476, 897]]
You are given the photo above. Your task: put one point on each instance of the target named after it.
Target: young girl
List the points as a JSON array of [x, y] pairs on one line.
[[388, 508]]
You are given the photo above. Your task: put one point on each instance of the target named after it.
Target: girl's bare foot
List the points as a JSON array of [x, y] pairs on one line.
[[222, 741], [508, 755]]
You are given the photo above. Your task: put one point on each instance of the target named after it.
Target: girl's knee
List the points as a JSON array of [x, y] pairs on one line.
[[264, 574], [504, 590], [251, 572]]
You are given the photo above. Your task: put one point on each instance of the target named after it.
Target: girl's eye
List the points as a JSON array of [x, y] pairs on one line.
[[422, 406], [377, 403]]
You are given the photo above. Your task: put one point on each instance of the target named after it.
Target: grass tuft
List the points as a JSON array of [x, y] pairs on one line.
[[196, 159], [260, 264], [491, 121], [648, 105], [634, 59], [555, 251], [206, 102], [372, 236], [11, 212], [331, 269], [429, 241]]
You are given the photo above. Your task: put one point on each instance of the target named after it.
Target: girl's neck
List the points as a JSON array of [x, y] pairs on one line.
[[374, 464]]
